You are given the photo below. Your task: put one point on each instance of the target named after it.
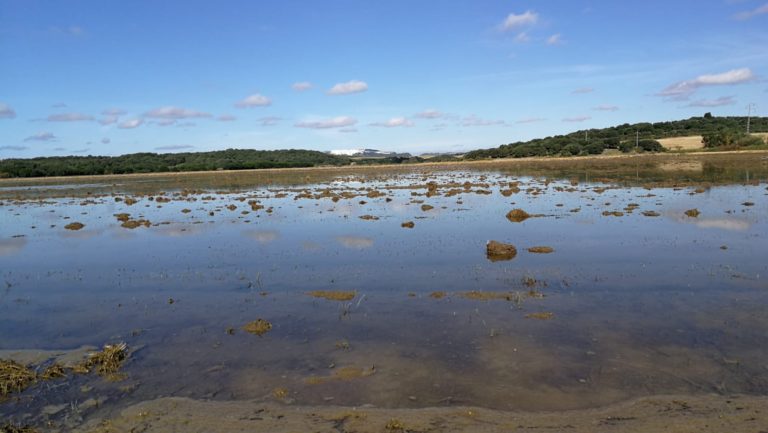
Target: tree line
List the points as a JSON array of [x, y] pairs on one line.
[[230, 159], [638, 137]]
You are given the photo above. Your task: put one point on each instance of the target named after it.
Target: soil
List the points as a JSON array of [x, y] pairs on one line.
[[669, 414], [497, 251]]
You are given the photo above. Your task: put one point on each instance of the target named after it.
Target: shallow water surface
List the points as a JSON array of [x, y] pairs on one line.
[[636, 299]]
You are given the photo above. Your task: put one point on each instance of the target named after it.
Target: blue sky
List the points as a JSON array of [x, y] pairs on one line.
[[108, 78]]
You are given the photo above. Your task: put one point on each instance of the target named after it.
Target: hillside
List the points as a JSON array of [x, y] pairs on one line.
[[621, 137], [230, 159]]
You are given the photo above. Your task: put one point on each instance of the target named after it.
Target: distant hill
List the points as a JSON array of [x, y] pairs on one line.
[[368, 153], [623, 137], [230, 159]]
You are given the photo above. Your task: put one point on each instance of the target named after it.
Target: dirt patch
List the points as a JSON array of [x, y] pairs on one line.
[[541, 250], [74, 226], [518, 215], [498, 251], [333, 295], [257, 327]]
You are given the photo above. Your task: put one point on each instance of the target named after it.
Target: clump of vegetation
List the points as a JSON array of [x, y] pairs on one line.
[[541, 250], [342, 374], [408, 225], [54, 371], [692, 213], [613, 213], [437, 295], [257, 327], [544, 315], [369, 217], [650, 213], [74, 226], [395, 425], [132, 224], [11, 428], [107, 362], [333, 295], [14, 377], [518, 215], [426, 207], [497, 251]]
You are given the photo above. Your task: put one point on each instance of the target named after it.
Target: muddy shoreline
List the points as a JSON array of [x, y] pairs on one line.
[[670, 414]]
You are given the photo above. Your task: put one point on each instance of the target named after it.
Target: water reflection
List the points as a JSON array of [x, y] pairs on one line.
[[262, 236], [731, 224], [12, 245], [355, 242]]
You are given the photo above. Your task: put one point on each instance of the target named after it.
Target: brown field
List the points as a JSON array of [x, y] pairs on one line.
[[682, 143]]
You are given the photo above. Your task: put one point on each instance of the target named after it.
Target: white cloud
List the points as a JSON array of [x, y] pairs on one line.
[[718, 102], [226, 118], [354, 86], [255, 100], [335, 122], [606, 107], [105, 140], [473, 120], [522, 37], [165, 122], [582, 90], [41, 136], [684, 89], [301, 86], [554, 39], [70, 30], [269, 121], [394, 122], [430, 113], [69, 117], [108, 120], [6, 112], [753, 13], [130, 124], [516, 21], [576, 119], [531, 120], [175, 147], [175, 113], [113, 112]]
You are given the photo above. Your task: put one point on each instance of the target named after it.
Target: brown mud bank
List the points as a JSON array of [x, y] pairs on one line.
[[669, 414]]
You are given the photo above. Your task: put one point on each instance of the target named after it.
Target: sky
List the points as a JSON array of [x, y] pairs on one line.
[[109, 78]]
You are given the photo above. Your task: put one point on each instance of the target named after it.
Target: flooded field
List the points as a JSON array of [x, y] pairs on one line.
[[608, 281]]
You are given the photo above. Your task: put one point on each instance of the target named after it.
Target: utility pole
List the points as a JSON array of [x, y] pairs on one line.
[[750, 107], [637, 139]]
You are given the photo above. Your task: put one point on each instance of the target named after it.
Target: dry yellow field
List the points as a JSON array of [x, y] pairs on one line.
[[682, 143], [694, 141]]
